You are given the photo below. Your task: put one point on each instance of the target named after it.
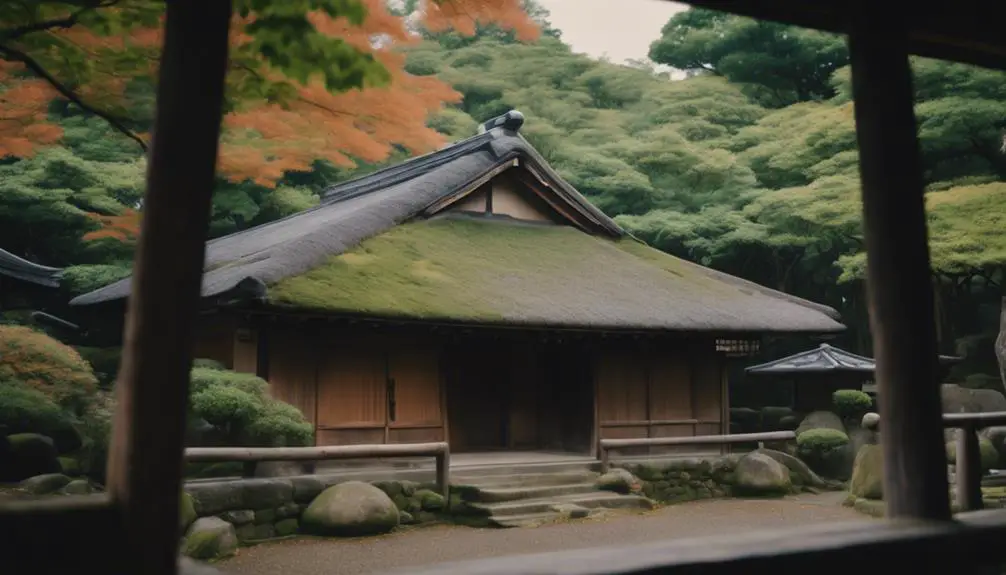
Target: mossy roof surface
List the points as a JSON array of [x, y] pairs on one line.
[[499, 271]]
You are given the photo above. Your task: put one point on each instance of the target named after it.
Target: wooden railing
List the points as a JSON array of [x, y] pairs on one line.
[[606, 445], [252, 456], [968, 463]]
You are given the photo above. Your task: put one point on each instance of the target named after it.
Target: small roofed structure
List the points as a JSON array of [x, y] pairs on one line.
[[503, 310], [817, 373], [19, 268]]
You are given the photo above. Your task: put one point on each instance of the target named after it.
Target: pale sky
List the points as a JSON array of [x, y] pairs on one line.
[[620, 29]]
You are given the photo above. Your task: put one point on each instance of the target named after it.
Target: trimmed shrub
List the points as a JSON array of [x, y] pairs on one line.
[[202, 362], [239, 411], [27, 410], [989, 455], [104, 361], [826, 451], [851, 404], [55, 369]]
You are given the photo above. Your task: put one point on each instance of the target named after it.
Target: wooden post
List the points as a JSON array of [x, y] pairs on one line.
[[145, 460], [968, 470], [603, 455], [898, 283], [444, 474]]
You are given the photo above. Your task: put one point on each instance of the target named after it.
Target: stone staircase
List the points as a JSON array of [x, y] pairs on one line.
[[527, 497]]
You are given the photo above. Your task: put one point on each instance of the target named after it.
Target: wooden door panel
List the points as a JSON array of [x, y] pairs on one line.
[[415, 372], [352, 389], [670, 387]]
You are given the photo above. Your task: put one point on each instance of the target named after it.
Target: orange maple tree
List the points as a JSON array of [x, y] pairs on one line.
[[284, 127]]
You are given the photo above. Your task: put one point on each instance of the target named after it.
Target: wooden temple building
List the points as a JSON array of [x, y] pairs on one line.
[[472, 295], [812, 376]]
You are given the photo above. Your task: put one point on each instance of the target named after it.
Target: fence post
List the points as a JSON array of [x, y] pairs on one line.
[[603, 453], [444, 474], [968, 469]]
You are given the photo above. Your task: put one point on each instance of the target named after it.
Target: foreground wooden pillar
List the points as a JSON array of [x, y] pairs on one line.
[[145, 462], [899, 289]]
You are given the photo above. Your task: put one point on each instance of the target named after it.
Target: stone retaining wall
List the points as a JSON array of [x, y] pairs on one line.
[[266, 508]]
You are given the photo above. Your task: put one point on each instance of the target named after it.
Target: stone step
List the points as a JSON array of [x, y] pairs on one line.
[[541, 468], [526, 520], [501, 494], [527, 479], [593, 500]]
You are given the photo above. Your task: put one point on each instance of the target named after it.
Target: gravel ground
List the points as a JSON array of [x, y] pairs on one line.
[[430, 545]]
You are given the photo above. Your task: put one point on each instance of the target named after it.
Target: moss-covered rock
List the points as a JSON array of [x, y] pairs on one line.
[[989, 455], [868, 473], [429, 500], [618, 480], [45, 483], [79, 487], [350, 509], [800, 473], [285, 527], [210, 538], [186, 511], [69, 466], [30, 454], [827, 451], [758, 474]]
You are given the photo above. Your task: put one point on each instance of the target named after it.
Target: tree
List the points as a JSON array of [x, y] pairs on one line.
[[779, 64], [307, 81]]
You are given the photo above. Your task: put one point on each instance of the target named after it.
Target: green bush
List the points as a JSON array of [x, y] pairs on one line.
[[240, 411], [826, 451], [27, 410], [104, 361], [202, 362], [989, 455], [851, 403], [45, 364]]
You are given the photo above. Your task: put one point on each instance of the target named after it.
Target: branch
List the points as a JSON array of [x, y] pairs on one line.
[[40, 71], [66, 22]]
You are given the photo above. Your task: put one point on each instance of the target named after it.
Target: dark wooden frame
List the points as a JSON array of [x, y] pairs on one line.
[[134, 529]]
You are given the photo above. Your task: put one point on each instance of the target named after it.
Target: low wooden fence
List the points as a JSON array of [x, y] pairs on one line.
[[251, 456], [968, 457], [605, 446]]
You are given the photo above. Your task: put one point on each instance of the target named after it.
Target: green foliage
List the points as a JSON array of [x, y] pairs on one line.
[[239, 408], [43, 363], [27, 410], [851, 403], [820, 441], [207, 364], [89, 277]]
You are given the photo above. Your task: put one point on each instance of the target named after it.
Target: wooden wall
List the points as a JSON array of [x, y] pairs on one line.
[[676, 390]]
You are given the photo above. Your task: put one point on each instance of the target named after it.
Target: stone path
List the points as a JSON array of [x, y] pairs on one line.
[[430, 545]]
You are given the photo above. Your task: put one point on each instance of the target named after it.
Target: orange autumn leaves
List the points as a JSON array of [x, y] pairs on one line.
[[263, 139]]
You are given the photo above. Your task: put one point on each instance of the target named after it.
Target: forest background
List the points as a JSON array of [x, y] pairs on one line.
[[747, 165]]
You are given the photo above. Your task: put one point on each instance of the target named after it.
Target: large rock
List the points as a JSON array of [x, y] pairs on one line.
[[350, 509], [618, 480], [821, 420], [799, 472], [957, 399], [210, 538], [186, 512], [30, 454], [760, 474], [45, 484], [868, 473]]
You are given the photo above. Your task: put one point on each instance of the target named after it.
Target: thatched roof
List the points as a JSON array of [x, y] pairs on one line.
[[351, 254], [825, 359], [24, 270]]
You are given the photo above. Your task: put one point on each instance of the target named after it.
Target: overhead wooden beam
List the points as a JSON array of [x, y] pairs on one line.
[[898, 284], [145, 462]]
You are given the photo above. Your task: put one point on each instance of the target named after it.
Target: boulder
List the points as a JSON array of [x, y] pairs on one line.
[[821, 420], [210, 538], [350, 509], [286, 527], [186, 512], [957, 399], [31, 454], [760, 474], [799, 472], [868, 473], [45, 484], [79, 487], [618, 480], [871, 421]]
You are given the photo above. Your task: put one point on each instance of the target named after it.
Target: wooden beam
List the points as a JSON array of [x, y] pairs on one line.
[[898, 284], [314, 453], [145, 462]]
